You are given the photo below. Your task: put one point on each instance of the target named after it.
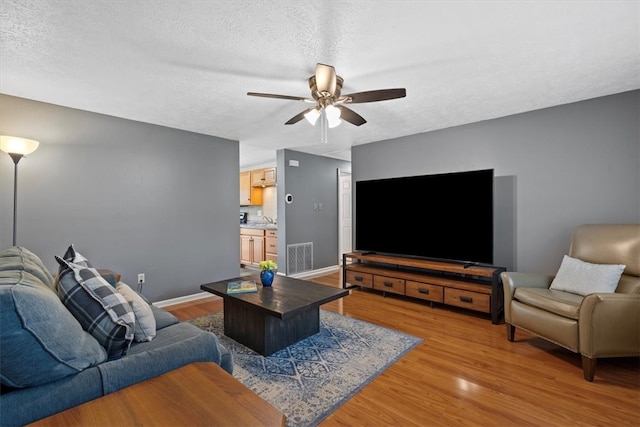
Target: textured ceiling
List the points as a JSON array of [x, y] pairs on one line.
[[189, 64]]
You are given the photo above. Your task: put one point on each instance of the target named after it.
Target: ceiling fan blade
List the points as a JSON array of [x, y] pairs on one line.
[[350, 116], [271, 95], [326, 79], [376, 95], [295, 119]]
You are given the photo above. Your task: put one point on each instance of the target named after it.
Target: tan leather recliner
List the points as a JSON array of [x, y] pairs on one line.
[[596, 325]]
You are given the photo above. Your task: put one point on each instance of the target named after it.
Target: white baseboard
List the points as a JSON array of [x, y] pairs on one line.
[[201, 295], [180, 300], [314, 273]]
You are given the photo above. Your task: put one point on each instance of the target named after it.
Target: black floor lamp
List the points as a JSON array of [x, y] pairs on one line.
[[17, 148]]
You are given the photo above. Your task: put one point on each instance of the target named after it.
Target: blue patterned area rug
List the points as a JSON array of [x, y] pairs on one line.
[[312, 378]]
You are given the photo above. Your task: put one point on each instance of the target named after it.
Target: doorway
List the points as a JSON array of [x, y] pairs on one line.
[[345, 228]]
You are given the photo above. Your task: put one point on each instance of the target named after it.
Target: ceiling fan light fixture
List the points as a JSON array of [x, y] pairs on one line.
[[330, 104], [333, 116], [312, 116]]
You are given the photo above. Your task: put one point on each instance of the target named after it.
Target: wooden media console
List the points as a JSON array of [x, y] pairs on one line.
[[475, 287]]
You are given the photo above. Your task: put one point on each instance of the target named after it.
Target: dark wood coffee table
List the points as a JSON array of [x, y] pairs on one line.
[[274, 317]]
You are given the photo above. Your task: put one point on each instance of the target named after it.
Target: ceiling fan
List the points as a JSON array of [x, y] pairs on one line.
[[325, 88]]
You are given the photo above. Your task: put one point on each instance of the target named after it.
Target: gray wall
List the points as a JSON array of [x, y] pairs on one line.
[[555, 169], [132, 197], [313, 182]]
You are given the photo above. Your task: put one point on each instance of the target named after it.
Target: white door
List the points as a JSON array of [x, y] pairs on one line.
[[345, 231]]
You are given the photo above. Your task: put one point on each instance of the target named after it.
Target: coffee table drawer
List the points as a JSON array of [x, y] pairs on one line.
[[467, 299], [425, 291], [388, 284], [360, 279]]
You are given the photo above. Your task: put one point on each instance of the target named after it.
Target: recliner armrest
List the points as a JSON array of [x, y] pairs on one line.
[[512, 280], [609, 325]]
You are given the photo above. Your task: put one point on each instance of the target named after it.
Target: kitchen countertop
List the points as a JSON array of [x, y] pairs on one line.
[[259, 226]]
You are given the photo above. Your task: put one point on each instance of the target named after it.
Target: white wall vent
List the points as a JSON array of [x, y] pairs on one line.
[[299, 258]]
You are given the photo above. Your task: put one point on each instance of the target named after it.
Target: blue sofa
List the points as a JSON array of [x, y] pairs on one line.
[[50, 363]]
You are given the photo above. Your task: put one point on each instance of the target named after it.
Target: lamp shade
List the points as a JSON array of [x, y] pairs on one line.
[[17, 145]]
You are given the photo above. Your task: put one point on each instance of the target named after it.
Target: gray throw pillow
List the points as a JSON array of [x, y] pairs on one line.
[[145, 327]]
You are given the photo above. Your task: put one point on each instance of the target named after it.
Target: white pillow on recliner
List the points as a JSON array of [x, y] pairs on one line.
[[584, 278]]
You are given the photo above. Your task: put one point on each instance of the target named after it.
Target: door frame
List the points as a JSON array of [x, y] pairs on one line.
[[343, 177]]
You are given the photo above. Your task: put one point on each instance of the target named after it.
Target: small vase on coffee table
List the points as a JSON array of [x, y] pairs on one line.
[[266, 277]]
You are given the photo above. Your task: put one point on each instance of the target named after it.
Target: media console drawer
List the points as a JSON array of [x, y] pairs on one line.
[[424, 291], [360, 279], [467, 299], [388, 284]]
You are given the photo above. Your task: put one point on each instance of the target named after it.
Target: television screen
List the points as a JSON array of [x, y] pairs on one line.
[[444, 216]]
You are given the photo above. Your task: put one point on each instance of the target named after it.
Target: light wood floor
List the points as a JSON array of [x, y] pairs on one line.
[[465, 372]]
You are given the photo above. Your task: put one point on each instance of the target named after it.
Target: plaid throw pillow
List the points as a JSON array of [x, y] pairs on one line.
[[75, 257], [101, 311]]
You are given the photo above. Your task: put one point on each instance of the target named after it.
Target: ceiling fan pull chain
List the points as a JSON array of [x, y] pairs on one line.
[[324, 134]]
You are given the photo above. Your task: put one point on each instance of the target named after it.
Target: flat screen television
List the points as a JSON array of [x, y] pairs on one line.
[[445, 216]]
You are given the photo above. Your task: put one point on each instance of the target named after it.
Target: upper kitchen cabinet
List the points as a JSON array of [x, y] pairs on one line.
[[265, 177], [249, 195]]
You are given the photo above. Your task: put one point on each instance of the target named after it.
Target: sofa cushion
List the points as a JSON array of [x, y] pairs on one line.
[[174, 346], [561, 303], [19, 258], [584, 278], [40, 340], [145, 327], [163, 317], [101, 311]]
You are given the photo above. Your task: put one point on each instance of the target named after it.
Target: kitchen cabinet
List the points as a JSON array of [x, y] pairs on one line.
[[271, 245], [251, 246], [249, 195], [264, 177]]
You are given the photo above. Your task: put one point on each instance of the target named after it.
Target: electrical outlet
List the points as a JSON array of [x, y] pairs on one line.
[[141, 278]]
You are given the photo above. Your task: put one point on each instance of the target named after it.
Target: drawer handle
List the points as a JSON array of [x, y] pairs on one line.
[[466, 299], [358, 278], [388, 284], [423, 291]]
